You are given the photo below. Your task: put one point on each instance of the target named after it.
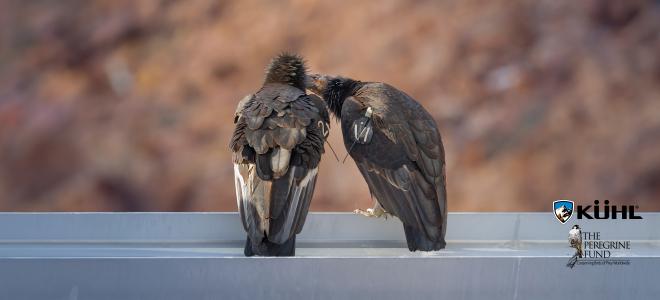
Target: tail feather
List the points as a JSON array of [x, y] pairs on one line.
[[268, 248], [264, 170], [273, 212], [418, 240]]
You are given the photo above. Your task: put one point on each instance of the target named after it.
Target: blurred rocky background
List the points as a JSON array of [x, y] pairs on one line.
[[122, 105]]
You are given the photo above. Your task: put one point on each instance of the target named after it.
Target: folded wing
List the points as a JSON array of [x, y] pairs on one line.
[[408, 178], [277, 146]]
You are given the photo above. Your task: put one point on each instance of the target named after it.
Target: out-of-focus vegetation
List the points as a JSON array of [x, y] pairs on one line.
[[125, 105]]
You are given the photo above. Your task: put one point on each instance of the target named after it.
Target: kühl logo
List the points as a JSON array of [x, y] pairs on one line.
[[607, 212], [563, 210]]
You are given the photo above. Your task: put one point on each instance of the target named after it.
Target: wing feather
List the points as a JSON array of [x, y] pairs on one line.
[[274, 209]]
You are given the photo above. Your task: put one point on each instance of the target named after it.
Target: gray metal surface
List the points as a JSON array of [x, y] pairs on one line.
[[199, 256]]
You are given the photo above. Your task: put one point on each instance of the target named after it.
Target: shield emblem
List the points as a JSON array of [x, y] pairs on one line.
[[563, 210]]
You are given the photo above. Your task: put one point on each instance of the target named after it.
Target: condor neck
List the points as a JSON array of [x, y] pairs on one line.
[[337, 92]]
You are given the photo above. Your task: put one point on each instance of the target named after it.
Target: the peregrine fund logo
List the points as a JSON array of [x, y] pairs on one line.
[[591, 249], [575, 240], [563, 210]]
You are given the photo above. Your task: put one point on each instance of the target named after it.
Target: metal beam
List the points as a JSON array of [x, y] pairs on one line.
[[199, 256]]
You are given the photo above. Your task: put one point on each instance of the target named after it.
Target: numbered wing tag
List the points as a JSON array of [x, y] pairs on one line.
[[362, 130], [325, 128]]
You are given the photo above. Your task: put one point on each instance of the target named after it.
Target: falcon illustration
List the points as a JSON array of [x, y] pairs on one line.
[[575, 240], [397, 148], [277, 146]]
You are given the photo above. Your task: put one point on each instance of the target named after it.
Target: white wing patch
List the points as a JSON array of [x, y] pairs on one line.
[[241, 186]]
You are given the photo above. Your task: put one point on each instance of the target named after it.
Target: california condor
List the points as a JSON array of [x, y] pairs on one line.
[[277, 146], [397, 147]]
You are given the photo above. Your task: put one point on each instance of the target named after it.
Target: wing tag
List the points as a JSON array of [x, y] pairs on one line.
[[362, 128]]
